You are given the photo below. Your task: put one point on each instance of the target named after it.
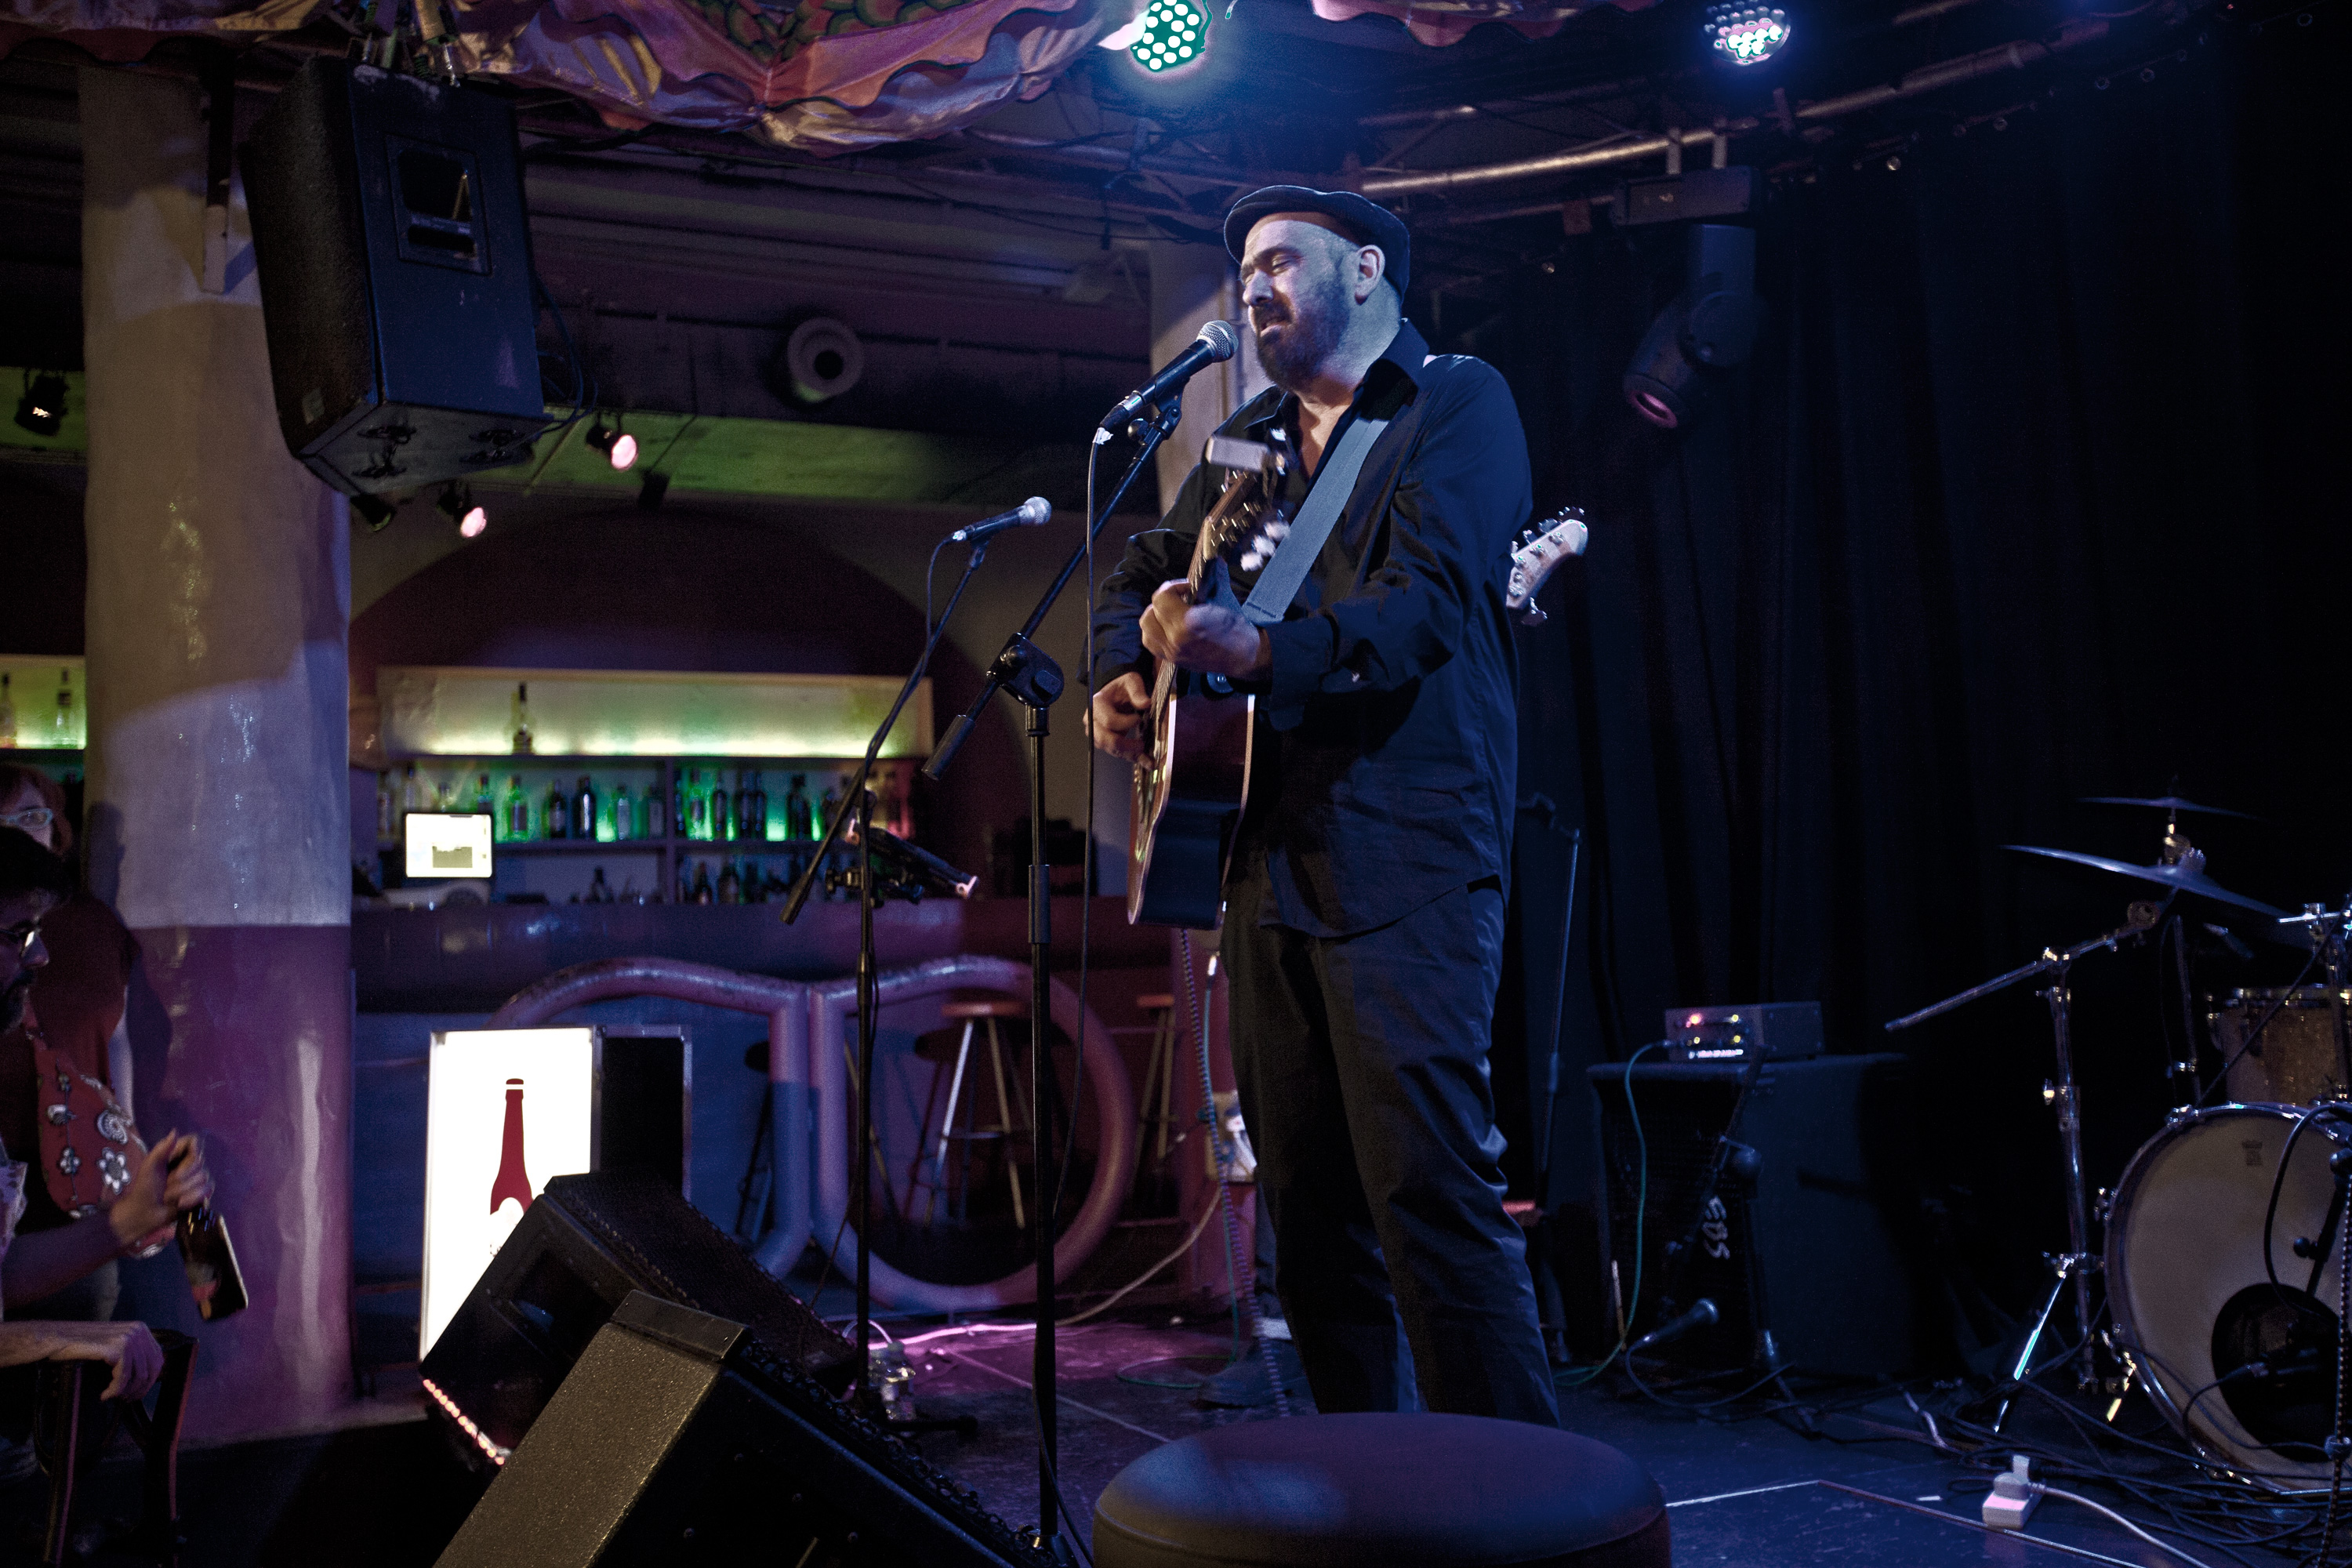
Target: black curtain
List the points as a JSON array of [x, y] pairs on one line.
[[2027, 494]]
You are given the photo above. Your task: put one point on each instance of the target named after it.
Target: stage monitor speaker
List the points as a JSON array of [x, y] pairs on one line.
[[1808, 1237], [584, 1244], [677, 1441], [395, 262]]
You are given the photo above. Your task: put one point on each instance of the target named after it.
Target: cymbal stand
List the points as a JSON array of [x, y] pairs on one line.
[[2077, 1266]]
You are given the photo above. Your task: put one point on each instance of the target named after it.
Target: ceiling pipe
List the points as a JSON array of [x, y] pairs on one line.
[[1914, 15], [1098, 156], [2002, 57], [1573, 161], [1404, 117], [2014, 55]]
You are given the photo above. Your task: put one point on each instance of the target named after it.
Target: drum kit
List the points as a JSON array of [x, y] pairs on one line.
[[2226, 1293]]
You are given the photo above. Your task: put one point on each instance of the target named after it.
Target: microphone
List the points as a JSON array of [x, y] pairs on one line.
[[1701, 1314], [1030, 513], [1215, 345]]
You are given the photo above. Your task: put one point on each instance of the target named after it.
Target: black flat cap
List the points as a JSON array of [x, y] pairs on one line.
[[1365, 221]]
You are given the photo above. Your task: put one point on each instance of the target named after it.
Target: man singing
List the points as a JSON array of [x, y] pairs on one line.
[[1363, 933]]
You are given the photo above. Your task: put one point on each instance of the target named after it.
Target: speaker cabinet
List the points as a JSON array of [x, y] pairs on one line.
[[395, 262], [1812, 1242], [584, 1246], [676, 1441]]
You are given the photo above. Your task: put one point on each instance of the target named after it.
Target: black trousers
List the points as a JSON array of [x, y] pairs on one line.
[[1362, 1063]]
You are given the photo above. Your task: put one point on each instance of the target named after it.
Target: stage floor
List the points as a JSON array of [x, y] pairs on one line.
[[1752, 1492]]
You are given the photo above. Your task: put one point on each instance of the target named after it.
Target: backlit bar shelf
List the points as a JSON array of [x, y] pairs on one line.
[[449, 712]]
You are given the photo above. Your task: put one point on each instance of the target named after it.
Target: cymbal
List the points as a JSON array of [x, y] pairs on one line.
[[2177, 878], [2170, 804]]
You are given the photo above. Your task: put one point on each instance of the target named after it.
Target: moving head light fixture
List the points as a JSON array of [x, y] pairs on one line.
[[1706, 329]]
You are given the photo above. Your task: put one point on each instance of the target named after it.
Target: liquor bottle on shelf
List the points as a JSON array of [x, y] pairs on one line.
[[512, 1182], [385, 815], [832, 804], [702, 889], [557, 818], [796, 810], [584, 810], [624, 812], [516, 817], [656, 813], [61, 721], [446, 798], [731, 885], [7, 713], [684, 893], [758, 815], [412, 792], [600, 891], [691, 801], [483, 802], [722, 815], [755, 891], [521, 719]]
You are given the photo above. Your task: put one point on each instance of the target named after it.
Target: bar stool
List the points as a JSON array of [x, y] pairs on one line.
[[1012, 1115], [1158, 1072]]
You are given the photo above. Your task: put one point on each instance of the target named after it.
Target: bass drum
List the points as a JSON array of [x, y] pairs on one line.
[[2194, 1303]]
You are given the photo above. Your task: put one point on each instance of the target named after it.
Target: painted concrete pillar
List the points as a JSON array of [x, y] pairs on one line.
[[219, 598]]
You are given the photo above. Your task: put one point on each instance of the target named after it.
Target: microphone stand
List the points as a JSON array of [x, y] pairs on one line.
[[858, 799], [1034, 680]]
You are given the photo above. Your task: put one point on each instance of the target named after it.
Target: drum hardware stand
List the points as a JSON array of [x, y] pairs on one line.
[[2079, 1262]]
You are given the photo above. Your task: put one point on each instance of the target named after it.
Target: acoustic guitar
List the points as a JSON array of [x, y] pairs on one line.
[[1195, 774]]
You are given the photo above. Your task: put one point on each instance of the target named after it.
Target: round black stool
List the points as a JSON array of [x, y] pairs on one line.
[[1391, 1491]]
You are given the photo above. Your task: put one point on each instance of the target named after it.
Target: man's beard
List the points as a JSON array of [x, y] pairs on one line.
[[1315, 330]]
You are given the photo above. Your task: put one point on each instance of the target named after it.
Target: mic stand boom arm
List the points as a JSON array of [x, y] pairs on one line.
[[858, 803], [1019, 656]]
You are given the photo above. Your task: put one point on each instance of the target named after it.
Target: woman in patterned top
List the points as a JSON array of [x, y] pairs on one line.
[[32, 883]]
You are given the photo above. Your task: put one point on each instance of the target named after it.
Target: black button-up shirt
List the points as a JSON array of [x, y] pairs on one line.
[[1387, 751]]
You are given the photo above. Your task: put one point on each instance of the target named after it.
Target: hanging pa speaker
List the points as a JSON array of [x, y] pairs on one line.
[[1809, 1234], [677, 1441], [394, 257]]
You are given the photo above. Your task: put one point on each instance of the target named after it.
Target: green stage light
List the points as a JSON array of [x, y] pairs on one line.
[[1175, 34]]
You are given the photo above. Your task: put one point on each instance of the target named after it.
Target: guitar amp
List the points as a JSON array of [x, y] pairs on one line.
[[1774, 1031]]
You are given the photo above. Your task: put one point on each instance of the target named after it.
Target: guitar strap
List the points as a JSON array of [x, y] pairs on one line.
[[1280, 582]]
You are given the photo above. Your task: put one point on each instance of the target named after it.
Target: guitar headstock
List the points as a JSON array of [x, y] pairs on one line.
[[1538, 552], [1239, 535]]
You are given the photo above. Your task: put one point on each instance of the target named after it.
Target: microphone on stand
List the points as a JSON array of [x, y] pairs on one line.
[[1215, 345], [1701, 1314], [1030, 513]]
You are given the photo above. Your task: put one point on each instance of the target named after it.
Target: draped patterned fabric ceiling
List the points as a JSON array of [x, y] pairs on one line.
[[822, 75]]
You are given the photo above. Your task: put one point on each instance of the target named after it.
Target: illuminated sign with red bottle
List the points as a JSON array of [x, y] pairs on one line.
[[505, 1110]]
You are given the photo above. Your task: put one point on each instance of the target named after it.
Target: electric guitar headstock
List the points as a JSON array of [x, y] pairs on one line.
[[1538, 552]]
